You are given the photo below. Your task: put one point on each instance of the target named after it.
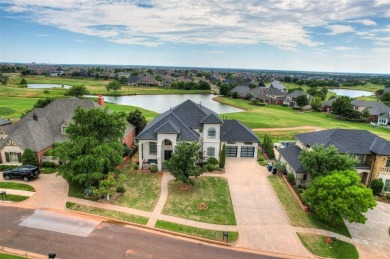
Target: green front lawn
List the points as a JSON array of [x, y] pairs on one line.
[[142, 190], [16, 198], [8, 256], [317, 245], [198, 232], [297, 216], [17, 186], [214, 191], [107, 213]]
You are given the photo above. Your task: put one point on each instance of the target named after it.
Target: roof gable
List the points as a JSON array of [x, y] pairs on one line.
[[168, 127], [211, 119]]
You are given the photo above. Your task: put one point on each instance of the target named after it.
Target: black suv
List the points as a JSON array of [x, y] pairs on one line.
[[26, 172]]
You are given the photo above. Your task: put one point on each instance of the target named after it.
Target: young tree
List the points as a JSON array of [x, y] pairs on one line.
[[114, 85], [94, 147], [338, 196], [316, 103], [107, 187], [342, 106], [29, 158], [138, 120], [23, 82], [302, 100], [279, 166], [77, 91], [183, 163], [376, 186], [322, 160], [222, 157]]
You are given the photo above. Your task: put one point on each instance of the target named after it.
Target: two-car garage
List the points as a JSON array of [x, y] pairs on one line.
[[241, 149]]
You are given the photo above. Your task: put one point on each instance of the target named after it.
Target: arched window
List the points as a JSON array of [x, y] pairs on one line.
[[211, 152], [211, 133]]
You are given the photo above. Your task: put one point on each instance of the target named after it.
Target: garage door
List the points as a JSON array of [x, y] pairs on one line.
[[231, 151], [247, 151]]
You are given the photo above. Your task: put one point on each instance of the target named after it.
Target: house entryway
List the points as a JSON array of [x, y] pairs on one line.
[[167, 155]]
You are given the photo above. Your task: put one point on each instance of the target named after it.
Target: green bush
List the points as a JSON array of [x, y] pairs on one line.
[[136, 167], [222, 157], [46, 91], [120, 189], [388, 196], [291, 178], [154, 169], [7, 167], [210, 167], [212, 161], [377, 186], [49, 164], [29, 158]]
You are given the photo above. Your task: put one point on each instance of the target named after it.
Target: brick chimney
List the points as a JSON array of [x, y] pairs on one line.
[[100, 100]]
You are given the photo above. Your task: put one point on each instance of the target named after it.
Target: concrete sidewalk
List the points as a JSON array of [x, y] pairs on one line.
[[18, 192]]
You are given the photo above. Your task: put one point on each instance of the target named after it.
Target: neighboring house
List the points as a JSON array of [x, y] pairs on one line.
[[278, 85], [372, 152], [265, 95], [42, 127], [378, 111], [192, 122], [290, 99], [327, 105]]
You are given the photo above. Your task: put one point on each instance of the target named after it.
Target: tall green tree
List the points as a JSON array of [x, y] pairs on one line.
[[222, 157], [137, 119], [29, 158], [322, 160], [183, 163], [23, 81], [316, 103], [114, 85], [268, 146], [94, 147], [302, 100], [342, 106], [77, 91], [340, 195]]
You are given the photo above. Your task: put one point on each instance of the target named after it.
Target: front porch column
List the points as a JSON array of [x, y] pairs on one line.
[[159, 161], [140, 157]]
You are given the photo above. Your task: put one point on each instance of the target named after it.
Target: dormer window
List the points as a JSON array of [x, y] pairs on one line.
[[211, 133]]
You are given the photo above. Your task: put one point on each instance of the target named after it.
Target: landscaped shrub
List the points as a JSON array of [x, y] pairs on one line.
[[210, 167], [388, 196], [49, 164], [154, 169], [291, 178], [29, 158], [376, 186], [120, 189], [212, 161], [222, 157], [7, 167], [136, 167]]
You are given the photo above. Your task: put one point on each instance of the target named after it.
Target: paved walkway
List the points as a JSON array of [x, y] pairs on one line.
[[372, 238], [261, 220]]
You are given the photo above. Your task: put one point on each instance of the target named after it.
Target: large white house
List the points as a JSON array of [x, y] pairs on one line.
[[191, 122]]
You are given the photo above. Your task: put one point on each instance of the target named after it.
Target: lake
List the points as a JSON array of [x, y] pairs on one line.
[[44, 86], [351, 93], [162, 103]]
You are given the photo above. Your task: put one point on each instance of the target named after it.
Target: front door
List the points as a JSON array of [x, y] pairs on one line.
[[167, 154]]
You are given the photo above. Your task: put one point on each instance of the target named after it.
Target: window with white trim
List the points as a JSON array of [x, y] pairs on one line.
[[152, 148], [387, 186], [211, 133], [13, 157], [211, 151]]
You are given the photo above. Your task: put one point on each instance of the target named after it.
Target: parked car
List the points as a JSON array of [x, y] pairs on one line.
[[25, 172]]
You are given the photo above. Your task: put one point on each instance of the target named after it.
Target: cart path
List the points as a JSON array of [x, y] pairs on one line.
[[292, 128]]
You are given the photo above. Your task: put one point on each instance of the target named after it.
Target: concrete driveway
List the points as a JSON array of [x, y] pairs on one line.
[[51, 191], [372, 238], [261, 220]]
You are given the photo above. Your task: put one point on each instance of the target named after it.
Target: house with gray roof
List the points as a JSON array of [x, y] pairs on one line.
[[42, 127], [378, 111], [290, 99], [327, 105], [278, 85], [191, 122], [371, 151]]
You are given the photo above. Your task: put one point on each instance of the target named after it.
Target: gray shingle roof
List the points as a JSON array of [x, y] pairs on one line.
[[168, 127], [235, 131], [296, 93], [291, 155], [328, 102], [211, 119], [347, 141], [276, 84], [374, 108], [44, 132]]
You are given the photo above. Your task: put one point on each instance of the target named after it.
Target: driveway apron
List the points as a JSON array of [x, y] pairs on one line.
[[261, 220]]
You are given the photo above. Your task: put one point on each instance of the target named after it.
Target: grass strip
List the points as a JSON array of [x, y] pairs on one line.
[[297, 216], [198, 232], [107, 213], [17, 186], [8, 256], [317, 245], [16, 198]]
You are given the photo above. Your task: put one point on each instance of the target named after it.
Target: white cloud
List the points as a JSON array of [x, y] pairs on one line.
[[43, 35], [281, 23], [366, 22], [344, 48], [339, 29]]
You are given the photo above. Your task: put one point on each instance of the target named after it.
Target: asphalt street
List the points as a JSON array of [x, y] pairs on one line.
[[107, 240]]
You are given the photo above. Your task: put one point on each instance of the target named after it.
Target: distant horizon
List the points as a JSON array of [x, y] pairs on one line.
[[193, 67]]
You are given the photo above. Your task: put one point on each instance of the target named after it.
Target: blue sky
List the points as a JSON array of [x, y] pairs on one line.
[[332, 35]]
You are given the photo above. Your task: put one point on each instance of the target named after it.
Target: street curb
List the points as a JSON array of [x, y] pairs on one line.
[[158, 229], [12, 251]]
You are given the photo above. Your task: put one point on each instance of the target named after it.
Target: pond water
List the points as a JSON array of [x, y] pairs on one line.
[[44, 86], [162, 103], [351, 93]]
